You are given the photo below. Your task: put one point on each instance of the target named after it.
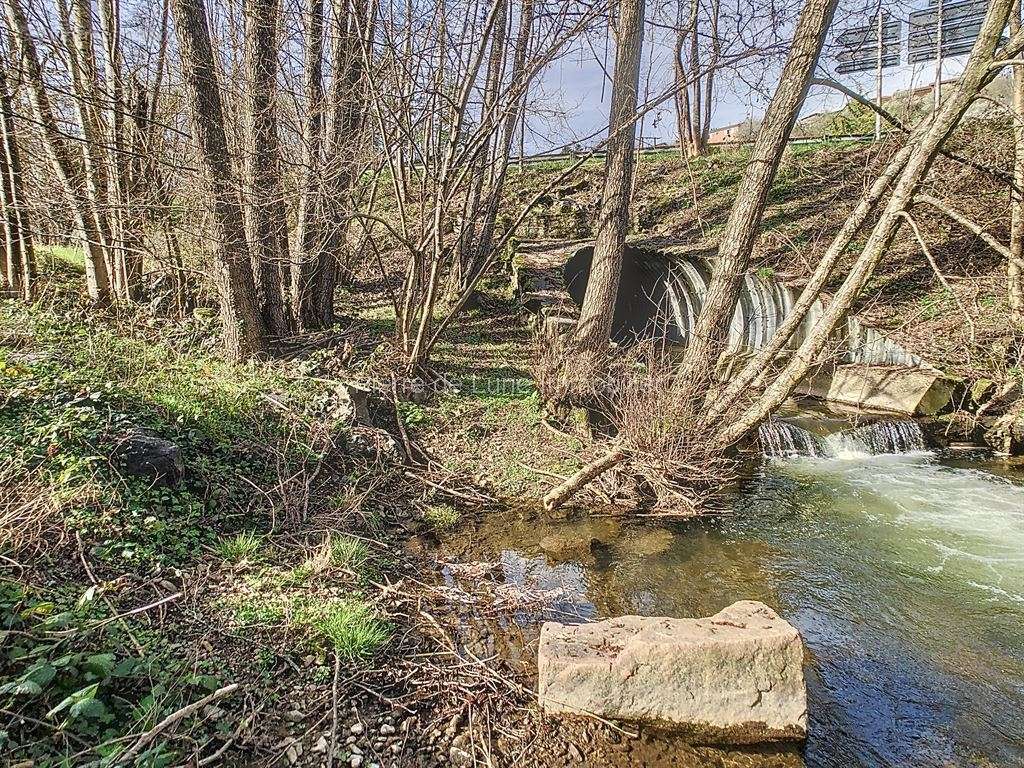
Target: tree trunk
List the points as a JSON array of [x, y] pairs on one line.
[[82, 64], [598, 310], [266, 220], [125, 222], [313, 133], [243, 335], [19, 261], [1015, 265], [62, 156], [925, 143], [346, 106], [711, 331]]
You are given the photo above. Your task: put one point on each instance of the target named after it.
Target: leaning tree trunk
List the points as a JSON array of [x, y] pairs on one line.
[[717, 404], [266, 220], [597, 313], [711, 332], [243, 335], [926, 142]]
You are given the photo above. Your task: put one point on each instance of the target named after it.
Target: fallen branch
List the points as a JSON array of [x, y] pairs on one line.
[[959, 218], [938, 272], [561, 493], [172, 719], [118, 617]]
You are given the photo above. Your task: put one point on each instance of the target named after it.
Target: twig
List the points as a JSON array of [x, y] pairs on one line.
[[938, 272], [95, 582], [334, 711], [118, 617], [173, 718]]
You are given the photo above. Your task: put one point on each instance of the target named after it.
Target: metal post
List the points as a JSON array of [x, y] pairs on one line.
[[938, 55], [878, 79]]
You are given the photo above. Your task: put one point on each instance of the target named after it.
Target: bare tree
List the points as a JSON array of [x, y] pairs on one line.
[[1015, 266], [925, 142], [18, 263], [598, 309], [709, 336], [67, 163], [243, 331], [266, 217]]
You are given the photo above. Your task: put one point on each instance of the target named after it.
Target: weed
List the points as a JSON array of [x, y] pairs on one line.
[[242, 546], [411, 414], [260, 611], [349, 626], [441, 517], [348, 552]]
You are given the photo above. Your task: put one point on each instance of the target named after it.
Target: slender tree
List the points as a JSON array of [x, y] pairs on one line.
[[598, 310], [18, 264], [711, 331], [266, 217], [1015, 266], [925, 142], [243, 330], [67, 163]]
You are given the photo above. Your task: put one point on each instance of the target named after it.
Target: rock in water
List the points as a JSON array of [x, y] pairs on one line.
[[736, 677]]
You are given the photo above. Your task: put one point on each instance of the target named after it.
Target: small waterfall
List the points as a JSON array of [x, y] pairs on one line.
[[781, 439], [903, 436]]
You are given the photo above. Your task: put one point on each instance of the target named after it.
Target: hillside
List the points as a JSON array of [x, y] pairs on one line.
[[961, 331]]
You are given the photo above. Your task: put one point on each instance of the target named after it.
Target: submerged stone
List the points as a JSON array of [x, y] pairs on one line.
[[735, 677]]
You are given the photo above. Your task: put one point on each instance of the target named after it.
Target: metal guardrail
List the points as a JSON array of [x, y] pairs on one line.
[[545, 157]]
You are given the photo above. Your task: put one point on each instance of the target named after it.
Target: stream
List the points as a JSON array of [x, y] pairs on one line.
[[903, 570]]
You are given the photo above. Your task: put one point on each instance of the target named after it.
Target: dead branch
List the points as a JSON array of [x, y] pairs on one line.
[[561, 493], [173, 718], [958, 217]]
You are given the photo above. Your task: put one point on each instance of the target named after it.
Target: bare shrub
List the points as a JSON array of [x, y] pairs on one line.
[[669, 445], [29, 520]]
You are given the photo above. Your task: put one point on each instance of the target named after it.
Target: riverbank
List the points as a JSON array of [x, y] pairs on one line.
[[237, 563]]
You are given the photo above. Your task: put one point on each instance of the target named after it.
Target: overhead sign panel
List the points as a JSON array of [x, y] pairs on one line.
[[961, 22], [858, 46]]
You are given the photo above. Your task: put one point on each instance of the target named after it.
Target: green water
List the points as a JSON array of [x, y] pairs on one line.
[[904, 574]]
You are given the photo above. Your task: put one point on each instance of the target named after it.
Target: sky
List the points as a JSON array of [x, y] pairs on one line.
[[573, 97]]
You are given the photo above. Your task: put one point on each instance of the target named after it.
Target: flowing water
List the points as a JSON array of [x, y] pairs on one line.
[[903, 570]]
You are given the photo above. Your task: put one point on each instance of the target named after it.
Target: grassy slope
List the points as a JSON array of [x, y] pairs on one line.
[[83, 542], [816, 187]]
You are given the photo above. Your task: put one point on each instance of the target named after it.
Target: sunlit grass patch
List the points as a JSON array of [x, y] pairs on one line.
[[242, 546], [49, 256], [348, 552], [441, 517], [259, 610], [350, 626]]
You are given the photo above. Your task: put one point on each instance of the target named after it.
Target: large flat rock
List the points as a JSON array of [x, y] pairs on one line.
[[913, 391], [735, 677]]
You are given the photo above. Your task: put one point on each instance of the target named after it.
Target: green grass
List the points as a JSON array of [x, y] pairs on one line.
[[349, 552], [242, 546], [260, 611], [50, 256], [441, 517], [349, 626]]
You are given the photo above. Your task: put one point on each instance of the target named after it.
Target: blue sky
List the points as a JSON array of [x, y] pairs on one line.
[[573, 86]]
